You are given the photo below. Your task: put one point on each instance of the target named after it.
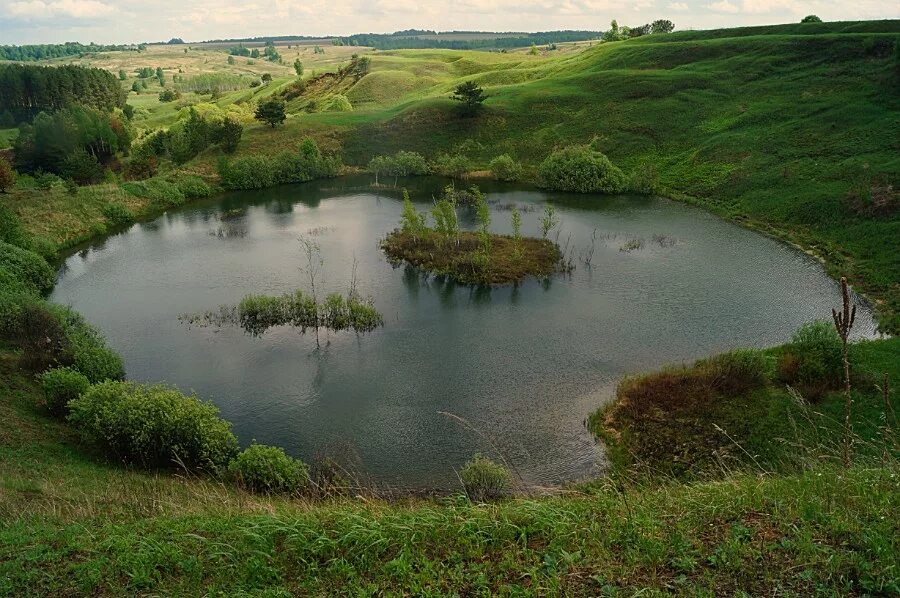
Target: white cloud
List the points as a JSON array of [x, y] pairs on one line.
[[724, 6], [74, 9], [679, 6]]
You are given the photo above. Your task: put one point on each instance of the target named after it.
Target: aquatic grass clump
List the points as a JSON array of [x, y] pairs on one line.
[[256, 314]]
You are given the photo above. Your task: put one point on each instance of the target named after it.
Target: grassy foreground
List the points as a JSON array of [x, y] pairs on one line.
[[71, 524]]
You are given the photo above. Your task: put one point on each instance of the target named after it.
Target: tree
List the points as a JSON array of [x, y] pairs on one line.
[[811, 19], [7, 176], [271, 112], [136, 87], [266, 77], [298, 67], [122, 75], [471, 96], [254, 53], [230, 59], [229, 134], [662, 26]]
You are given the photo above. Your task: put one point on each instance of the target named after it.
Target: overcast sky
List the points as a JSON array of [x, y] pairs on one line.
[[123, 21]]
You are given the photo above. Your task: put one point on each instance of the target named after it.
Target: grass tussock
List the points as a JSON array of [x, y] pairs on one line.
[[509, 260]]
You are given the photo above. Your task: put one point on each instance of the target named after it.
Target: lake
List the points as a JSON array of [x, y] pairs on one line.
[[454, 370]]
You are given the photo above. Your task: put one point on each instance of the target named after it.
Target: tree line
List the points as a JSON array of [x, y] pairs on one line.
[[46, 51], [26, 90]]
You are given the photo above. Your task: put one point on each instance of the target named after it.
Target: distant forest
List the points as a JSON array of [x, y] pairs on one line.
[[45, 51], [420, 38], [26, 90]]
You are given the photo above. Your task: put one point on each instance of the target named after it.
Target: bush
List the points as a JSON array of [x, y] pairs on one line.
[[452, 166], [62, 385], [193, 187], [117, 214], [153, 426], [7, 176], [28, 267], [813, 359], [168, 95], [400, 164], [738, 371], [258, 172], [81, 167], [247, 172], [504, 168], [40, 333], [483, 479], [88, 353], [157, 190], [11, 230], [644, 179], [582, 170], [269, 470], [338, 103]]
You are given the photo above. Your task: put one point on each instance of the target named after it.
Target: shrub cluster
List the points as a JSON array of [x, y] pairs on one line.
[[157, 190], [62, 385], [812, 360], [484, 479], [193, 187], [258, 172], [154, 426], [11, 230], [269, 470], [583, 170], [504, 168], [453, 166], [29, 268], [401, 164]]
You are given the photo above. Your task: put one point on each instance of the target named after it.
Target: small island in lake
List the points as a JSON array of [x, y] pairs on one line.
[[472, 257]]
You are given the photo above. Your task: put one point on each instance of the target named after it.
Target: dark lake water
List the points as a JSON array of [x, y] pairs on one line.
[[523, 365]]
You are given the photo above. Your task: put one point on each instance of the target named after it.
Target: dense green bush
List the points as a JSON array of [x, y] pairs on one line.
[[153, 426], [62, 385], [400, 164], [583, 170], [193, 187], [88, 353], [14, 293], [644, 179], [11, 230], [258, 172], [504, 168], [82, 167], [483, 479], [157, 190], [28, 267], [813, 359], [118, 214], [453, 166], [738, 371], [269, 470]]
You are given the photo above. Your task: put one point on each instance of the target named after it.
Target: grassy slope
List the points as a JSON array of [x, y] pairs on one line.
[[73, 525]]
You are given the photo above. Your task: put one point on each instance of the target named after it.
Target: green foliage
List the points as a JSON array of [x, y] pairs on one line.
[[549, 220], [28, 267], [811, 19], [338, 103], [662, 26], [401, 164], [583, 170], [471, 96], [454, 166], [153, 426], [644, 179], [50, 139], [258, 172], [193, 187], [62, 385], [157, 190], [813, 359], [30, 89], [7, 176], [169, 95], [81, 167], [268, 470], [86, 349], [228, 135], [504, 168], [298, 67], [411, 221], [446, 220], [483, 218], [484, 479], [118, 214], [271, 112], [11, 230]]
